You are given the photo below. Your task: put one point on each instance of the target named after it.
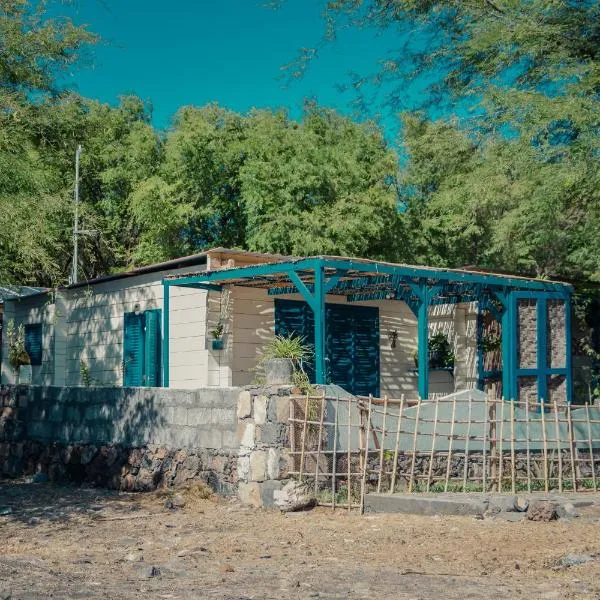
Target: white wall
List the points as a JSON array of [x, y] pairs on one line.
[[253, 324], [37, 309]]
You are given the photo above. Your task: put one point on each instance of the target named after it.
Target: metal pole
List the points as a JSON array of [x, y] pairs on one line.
[[76, 219]]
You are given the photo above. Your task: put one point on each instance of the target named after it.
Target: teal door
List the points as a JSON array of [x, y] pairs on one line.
[[352, 342], [141, 349]]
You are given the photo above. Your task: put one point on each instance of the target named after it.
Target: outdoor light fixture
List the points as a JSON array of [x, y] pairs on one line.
[[137, 309], [390, 295], [393, 338]]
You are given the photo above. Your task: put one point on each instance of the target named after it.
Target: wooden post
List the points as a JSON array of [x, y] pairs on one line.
[[414, 449], [485, 443], [501, 446], [590, 444], [558, 447], [450, 441], [527, 443], [382, 449], [493, 441], [349, 452], [304, 437], [513, 466], [572, 447], [432, 453], [319, 444], [363, 485], [396, 450], [466, 471], [335, 457], [545, 442]]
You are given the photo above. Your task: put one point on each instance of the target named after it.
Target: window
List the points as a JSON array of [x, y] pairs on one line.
[[33, 343]]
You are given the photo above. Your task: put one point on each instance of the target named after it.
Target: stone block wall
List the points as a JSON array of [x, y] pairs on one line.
[[263, 434], [140, 439]]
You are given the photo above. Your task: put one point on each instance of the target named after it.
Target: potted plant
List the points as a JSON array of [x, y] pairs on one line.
[[440, 352], [283, 357], [17, 354], [217, 333]]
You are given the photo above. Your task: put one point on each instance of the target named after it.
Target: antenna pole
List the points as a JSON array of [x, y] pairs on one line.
[[76, 219]]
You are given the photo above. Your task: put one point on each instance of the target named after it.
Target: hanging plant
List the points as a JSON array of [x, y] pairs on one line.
[[17, 354]]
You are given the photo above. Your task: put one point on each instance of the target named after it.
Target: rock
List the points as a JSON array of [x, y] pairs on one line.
[[152, 571], [5, 593], [521, 504], [572, 560], [40, 478], [294, 496], [542, 511], [178, 501], [570, 510]]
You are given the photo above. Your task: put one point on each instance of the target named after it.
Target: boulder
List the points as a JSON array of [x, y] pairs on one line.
[[294, 496]]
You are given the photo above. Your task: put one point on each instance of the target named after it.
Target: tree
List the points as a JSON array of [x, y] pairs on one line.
[[267, 183], [514, 184]]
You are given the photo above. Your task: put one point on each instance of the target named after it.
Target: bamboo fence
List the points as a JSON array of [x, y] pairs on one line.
[[346, 447]]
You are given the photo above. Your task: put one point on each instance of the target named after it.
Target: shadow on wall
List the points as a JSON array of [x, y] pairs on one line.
[[93, 336]]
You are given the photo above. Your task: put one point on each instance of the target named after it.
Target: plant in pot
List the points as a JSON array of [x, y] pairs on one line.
[[440, 352], [282, 357], [17, 354], [217, 334]]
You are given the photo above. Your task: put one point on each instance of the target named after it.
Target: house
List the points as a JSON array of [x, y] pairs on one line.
[[371, 324]]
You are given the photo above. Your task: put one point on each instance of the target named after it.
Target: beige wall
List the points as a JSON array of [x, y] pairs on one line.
[[37, 309], [253, 324]]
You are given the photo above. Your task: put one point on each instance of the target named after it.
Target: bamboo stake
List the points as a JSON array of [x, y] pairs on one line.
[[466, 471], [513, 466], [349, 434], [414, 449], [527, 432], [319, 443], [304, 437], [591, 445], [334, 461], [363, 486], [572, 447], [545, 440], [557, 434], [292, 421], [493, 441], [501, 446], [382, 449], [485, 442], [449, 462], [432, 453], [397, 448]]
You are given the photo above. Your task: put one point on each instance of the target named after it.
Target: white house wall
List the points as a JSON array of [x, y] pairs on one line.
[[253, 325], [34, 310]]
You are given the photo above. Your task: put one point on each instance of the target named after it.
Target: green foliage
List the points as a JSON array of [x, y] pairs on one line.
[[86, 377], [287, 346], [17, 355]]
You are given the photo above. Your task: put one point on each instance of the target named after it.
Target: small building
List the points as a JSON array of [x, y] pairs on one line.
[[371, 325]]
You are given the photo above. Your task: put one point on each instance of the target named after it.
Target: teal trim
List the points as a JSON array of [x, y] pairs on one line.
[[403, 271], [320, 333], [303, 289], [423, 342], [569, 349], [165, 334], [542, 343], [507, 331]]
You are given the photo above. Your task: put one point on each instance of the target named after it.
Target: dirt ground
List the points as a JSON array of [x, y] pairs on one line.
[[71, 543]]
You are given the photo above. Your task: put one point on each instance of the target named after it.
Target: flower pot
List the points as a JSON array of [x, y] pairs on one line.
[[279, 371], [25, 375], [218, 344]]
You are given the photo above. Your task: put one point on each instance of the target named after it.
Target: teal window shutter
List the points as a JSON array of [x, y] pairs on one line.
[[33, 343], [133, 350], [152, 348]]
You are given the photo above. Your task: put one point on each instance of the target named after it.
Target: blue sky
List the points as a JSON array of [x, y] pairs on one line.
[[230, 51]]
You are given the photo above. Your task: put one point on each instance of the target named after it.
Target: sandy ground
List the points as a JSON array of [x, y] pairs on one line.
[[76, 543]]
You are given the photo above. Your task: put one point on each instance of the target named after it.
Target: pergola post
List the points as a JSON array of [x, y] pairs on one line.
[[165, 335], [568, 349], [423, 343], [507, 334], [319, 311]]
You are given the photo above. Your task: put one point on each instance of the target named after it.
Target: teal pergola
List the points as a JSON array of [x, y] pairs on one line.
[[360, 280]]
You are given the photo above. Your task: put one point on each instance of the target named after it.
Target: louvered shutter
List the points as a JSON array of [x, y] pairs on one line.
[[33, 343], [296, 317], [365, 351], [133, 350], [152, 348]]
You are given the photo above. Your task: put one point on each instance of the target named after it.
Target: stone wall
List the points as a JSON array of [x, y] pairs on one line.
[[139, 439], [124, 438], [263, 432]]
